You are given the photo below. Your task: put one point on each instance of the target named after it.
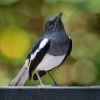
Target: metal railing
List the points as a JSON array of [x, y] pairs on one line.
[[50, 93]]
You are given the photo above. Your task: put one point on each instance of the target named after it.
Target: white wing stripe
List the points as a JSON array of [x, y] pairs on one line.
[[42, 44], [34, 54]]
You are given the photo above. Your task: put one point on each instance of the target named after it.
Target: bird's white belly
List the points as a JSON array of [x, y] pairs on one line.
[[50, 62]]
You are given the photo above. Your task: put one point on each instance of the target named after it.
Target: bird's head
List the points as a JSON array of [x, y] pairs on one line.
[[54, 23]]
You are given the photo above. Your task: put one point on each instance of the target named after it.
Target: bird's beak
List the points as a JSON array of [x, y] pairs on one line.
[[59, 16]]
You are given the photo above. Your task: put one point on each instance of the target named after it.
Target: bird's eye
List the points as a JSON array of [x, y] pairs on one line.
[[50, 24]]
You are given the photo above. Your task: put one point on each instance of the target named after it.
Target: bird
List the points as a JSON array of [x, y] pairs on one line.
[[50, 51]]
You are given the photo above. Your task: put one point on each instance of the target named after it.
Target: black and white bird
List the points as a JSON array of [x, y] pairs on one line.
[[49, 52]]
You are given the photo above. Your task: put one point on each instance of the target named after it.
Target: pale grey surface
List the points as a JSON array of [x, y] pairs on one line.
[[50, 93]]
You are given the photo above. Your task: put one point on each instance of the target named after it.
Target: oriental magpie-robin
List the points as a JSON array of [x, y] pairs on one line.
[[49, 52]]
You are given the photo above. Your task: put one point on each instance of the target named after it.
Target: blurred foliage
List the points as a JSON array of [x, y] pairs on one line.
[[22, 23], [7, 2]]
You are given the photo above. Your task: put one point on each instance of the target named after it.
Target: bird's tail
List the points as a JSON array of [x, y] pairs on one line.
[[21, 77]]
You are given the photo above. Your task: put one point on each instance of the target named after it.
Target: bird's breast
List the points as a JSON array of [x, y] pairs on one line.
[[49, 62], [58, 48]]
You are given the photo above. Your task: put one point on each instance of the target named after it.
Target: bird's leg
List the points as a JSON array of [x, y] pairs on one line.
[[39, 79], [53, 79]]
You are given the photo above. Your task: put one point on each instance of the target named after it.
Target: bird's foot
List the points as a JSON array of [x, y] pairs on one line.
[[56, 84], [42, 85]]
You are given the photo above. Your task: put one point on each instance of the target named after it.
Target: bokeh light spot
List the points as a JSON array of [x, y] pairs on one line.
[[84, 72], [83, 44], [63, 74], [14, 42]]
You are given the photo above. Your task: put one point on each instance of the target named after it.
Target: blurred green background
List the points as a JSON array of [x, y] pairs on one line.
[[22, 23]]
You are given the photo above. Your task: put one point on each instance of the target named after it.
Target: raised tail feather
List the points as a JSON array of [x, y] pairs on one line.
[[21, 77]]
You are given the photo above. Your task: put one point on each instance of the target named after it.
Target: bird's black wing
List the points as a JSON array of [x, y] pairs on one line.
[[37, 54], [70, 47]]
